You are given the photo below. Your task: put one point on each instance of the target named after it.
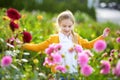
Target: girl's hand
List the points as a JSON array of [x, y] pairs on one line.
[[106, 32]]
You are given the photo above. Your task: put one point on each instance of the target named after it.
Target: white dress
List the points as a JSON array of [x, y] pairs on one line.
[[69, 57]]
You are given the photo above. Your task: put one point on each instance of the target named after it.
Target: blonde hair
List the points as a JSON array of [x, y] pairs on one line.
[[68, 15]]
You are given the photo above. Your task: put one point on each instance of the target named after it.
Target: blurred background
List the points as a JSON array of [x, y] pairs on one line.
[[100, 10]]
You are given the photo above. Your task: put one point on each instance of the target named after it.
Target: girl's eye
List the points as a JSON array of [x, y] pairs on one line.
[[64, 26], [69, 26]]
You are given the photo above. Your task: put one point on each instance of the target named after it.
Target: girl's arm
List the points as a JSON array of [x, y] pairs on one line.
[[41, 46], [89, 44]]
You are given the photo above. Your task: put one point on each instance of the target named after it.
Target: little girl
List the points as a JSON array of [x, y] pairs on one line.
[[67, 38]]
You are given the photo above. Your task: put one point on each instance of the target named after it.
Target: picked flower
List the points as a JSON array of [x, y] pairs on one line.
[[13, 14], [27, 37], [6, 61]]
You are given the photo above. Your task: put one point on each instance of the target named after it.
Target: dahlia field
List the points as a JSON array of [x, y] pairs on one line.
[[19, 27]]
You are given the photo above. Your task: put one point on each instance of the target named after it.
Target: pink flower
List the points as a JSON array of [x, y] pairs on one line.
[[50, 49], [13, 14], [49, 61], [83, 59], [6, 61], [86, 70], [100, 45], [57, 47], [118, 40], [61, 68], [27, 37], [116, 70], [13, 26], [105, 67], [56, 57], [78, 48]]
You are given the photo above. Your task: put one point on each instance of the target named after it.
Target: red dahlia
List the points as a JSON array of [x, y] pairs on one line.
[[27, 37], [13, 26], [13, 14]]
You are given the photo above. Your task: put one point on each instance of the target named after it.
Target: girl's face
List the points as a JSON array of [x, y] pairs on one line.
[[66, 26]]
